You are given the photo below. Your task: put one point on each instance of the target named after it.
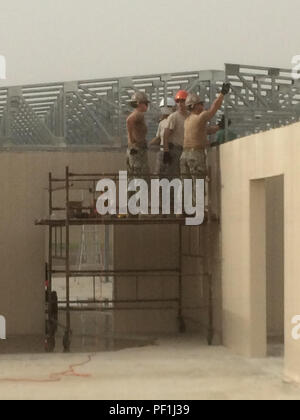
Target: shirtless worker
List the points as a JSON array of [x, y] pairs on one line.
[[173, 137], [137, 157], [193, 159]]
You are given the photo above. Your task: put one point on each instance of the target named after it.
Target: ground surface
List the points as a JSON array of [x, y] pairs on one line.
[[174, 368]]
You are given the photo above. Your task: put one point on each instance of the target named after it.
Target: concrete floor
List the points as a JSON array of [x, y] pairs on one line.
[[174, 368]]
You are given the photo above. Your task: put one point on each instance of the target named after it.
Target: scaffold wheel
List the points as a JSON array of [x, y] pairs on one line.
[[50, 344], [67, 341], [210, 338], [53, 311], [182, 326]]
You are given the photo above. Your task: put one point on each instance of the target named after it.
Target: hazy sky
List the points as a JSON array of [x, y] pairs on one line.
[[56, 40]]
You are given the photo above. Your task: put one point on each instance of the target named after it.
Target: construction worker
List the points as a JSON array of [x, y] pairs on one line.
[[174, 136], [166, 111], [137, 157], [193, 159]]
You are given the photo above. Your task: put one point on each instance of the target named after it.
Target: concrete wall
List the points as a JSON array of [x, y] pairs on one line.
[[141, 248], [157, 247], [245, 164], [24, 177], [275, 257], [23, 247], [196, 281]]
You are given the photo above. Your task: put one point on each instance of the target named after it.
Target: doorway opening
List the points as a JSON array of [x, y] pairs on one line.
[[267, 266]]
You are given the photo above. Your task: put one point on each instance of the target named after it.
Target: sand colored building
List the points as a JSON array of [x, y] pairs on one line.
[[256, 288]]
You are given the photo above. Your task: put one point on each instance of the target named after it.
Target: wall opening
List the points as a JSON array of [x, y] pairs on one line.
[[267, 266], [90, 249]]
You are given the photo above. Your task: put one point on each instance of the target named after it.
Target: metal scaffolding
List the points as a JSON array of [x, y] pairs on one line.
[[59, 251], [62, 218]]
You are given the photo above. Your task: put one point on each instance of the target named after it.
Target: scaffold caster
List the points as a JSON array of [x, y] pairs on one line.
[[67, 342], [50, 344], [53, 311], [210, 338], [182, 326]]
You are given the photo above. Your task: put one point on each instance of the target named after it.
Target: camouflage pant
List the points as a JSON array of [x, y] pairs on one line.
[[169, 170], [137, 164], [193, 166]]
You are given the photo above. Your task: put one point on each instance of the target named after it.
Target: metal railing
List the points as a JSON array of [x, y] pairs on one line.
[[89, 112], [261, 99], [94, 112]]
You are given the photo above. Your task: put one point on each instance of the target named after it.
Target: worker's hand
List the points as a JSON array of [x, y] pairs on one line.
[[133, 152], [167, 158], [226, 88]]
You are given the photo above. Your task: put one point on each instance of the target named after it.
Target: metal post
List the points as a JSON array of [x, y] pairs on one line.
[[226, 113], [107, 250], [94, 289], [120, 110], [50, 327], [66, 340], [63, 112], [50, 238], [182, 327], [208, 259]]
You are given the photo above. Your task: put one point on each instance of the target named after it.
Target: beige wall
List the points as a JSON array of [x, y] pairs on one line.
[[244, 209], [24, 177], [157, 247], [22, 253], [275, 257], [141, 248], [196, 281]]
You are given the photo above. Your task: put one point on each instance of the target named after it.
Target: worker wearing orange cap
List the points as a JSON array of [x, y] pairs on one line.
[[174, 137]]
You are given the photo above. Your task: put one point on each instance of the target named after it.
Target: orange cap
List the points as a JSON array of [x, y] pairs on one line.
[[181, 95]]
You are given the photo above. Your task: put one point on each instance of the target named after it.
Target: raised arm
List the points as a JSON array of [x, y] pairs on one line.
[[219, 101]]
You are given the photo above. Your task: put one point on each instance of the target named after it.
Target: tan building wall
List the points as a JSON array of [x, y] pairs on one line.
[[23, 247], [275, 258], [141, 248], [24, 178], [157, 247], [246, 213]]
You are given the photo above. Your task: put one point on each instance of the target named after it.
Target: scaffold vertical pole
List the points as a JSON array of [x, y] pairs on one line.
[[67, 336], [50, 239], [50, 326], [208, 261], [182, 327]]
